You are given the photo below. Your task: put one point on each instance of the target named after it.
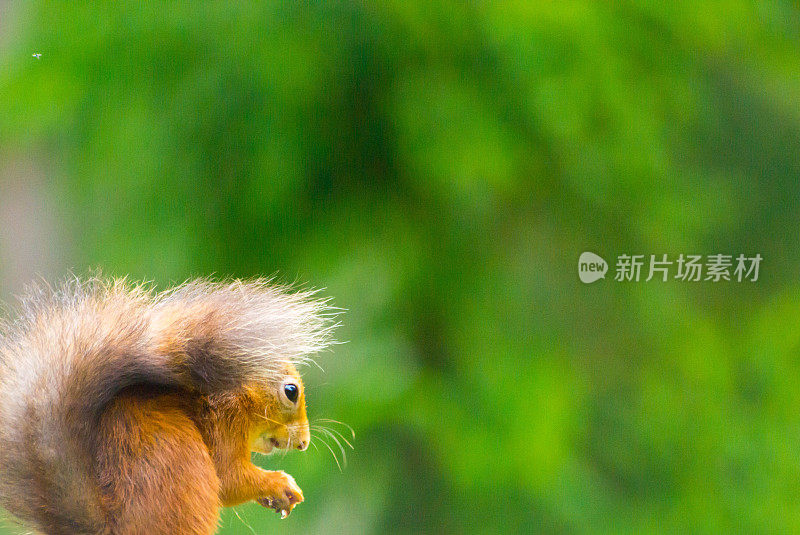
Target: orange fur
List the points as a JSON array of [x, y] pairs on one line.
[[168, 460]]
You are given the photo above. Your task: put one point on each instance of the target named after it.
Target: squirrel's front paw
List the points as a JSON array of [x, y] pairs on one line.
[[283, 493]]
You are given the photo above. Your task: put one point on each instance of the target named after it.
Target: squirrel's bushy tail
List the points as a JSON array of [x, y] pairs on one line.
[[76, 346]]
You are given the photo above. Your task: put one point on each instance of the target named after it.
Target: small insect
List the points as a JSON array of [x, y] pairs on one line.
[[37, 56]]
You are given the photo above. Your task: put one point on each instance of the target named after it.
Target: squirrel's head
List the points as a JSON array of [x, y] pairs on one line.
[[281, 420]]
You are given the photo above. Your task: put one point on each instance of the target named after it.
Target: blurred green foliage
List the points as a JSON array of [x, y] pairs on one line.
[[438, 167]]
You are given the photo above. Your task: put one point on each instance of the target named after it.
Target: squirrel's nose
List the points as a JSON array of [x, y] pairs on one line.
[[302, 445]]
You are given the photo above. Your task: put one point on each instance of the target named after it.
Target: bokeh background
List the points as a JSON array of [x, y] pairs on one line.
[[438, 168]]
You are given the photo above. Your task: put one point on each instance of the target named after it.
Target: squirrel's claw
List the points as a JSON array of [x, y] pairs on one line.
[[266, 502], [270, 504], [286, 496]]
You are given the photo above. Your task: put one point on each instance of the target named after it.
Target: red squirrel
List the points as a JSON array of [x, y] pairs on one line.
[[124, 411]]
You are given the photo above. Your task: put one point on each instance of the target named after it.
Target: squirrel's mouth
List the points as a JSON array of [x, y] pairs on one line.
[[266, 445]]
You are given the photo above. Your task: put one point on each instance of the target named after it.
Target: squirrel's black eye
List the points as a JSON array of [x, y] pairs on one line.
[[291, 392]]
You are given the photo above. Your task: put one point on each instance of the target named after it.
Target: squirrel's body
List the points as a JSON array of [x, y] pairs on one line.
[[128, 412]]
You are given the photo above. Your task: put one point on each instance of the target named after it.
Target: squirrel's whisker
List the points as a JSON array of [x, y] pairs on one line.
[[336, 440], [333, 430], [242, 521], [270, 419], [352, 432], [331, 450], [330, 430]]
